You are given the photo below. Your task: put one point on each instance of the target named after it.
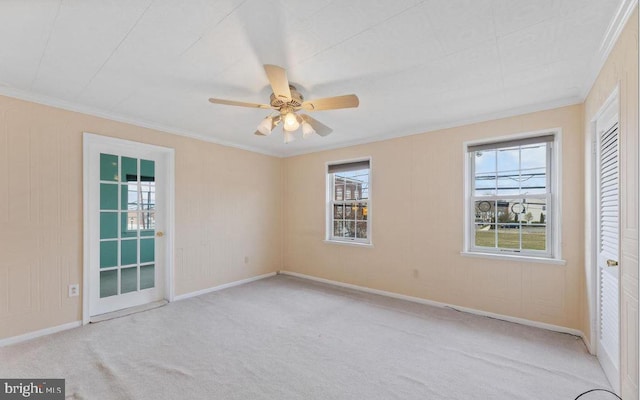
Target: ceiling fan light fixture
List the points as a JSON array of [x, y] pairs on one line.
[[291, 122], [266, 125], [289, 137], [307, 130]]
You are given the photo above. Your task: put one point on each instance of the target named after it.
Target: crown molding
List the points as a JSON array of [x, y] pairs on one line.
[[75, 107], [69, 106], [513, 112], [614, 30]]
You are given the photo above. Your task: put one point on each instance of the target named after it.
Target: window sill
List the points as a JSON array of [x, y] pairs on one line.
[[540, 260], [345, 243]]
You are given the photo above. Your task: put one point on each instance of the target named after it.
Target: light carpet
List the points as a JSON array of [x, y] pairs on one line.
[[289, 338]]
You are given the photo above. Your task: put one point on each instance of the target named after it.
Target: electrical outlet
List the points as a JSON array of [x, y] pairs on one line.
[[246, 259], [74, 290]]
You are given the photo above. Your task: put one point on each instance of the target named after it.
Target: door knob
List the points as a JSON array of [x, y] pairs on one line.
[[159, 234], [612, 263]]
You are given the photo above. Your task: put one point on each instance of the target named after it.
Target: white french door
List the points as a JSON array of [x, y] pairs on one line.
[[127, 190], [608, 244]]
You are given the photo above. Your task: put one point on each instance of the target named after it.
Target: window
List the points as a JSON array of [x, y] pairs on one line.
[[511, 197], [348, 205]]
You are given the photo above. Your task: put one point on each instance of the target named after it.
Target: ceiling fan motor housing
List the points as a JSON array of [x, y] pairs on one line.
[[295, 102]]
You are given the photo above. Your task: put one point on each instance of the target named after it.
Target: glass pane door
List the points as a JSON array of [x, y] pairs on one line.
[[127, 225]]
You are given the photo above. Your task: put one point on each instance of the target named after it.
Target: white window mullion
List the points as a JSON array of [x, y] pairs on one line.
[[551, 211], [495, 218], [495, 204], [547, 224]]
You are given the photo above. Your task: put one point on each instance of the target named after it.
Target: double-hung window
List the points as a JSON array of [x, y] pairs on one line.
[[348, 202], [511, 197]]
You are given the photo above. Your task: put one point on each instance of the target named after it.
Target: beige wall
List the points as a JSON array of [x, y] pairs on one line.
[[228, 206], [417, 224], [621, 69]]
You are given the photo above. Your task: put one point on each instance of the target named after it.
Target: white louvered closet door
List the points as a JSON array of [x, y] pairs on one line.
[[608, 252]]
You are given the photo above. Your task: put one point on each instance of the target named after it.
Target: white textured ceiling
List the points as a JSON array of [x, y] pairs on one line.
[[416, 65]]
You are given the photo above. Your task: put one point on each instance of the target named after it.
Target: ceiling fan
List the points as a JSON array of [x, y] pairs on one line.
[[286, 101]]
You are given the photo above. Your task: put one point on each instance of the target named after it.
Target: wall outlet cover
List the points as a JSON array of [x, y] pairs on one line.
[[74, 290]]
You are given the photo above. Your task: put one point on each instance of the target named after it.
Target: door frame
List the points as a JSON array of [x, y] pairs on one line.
[[89, 140], [591, 262]]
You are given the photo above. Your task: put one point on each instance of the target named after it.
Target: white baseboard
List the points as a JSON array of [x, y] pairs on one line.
[[522, 321], [221, 287], [76, 324], [42, 332], [587, 343]]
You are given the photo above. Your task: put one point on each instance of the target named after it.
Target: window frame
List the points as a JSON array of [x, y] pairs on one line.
[[552, 253], [330, 186]]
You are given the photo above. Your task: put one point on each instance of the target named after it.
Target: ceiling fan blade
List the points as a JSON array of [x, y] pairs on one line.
[[332, 103], [320, 128], [239, 103], [279, 83]]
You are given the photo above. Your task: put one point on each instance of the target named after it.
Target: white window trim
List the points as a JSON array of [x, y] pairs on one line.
[[328, 212], [555, 240], [348, 243]]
